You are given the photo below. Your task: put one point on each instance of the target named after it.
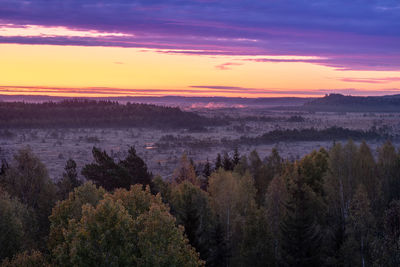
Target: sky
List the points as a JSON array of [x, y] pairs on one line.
[[257, 48]]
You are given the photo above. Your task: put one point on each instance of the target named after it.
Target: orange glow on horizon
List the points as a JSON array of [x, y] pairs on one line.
[[112, 71]]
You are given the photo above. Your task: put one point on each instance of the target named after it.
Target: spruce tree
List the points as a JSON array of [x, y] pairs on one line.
[[218, 162], [301, 237]]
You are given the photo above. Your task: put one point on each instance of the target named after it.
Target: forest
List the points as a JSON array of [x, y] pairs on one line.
[[333, 207], [312, 134], [77, 113]]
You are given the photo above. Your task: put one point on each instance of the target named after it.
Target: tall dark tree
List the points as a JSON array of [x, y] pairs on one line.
[[136, 169], [190, 205], [388, 169], [206, 175], [4, 166], [218, 162], [236, 157], [219, 248], [104, 171], [301, 236], [227, 163], [259, 173], [274, 163], [27, 180], [69, 179], [207, 169]]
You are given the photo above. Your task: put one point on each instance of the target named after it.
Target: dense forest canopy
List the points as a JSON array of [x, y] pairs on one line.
[[312, 134], [342, 103], [90, 113], [336, 207]]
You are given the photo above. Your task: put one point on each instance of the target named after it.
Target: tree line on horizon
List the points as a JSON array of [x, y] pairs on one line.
[[336, 207], [85, 113]]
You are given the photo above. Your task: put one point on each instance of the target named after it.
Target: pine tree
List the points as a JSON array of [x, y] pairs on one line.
[[388, 168], [136, 169], [219, 248], [227, 163], [236, 157], [218, 162], [69, 180], [301, 237]]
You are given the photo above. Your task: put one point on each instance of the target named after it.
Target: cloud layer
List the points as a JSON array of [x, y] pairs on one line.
[[348, 35]]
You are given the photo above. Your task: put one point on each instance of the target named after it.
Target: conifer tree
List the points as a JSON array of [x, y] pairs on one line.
[[301, 236], [218, 162]]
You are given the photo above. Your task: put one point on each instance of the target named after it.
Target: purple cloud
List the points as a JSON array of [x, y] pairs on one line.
[[371, 80], [362, 35]]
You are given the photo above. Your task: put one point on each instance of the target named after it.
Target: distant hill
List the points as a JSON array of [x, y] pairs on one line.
[[342, 103], [179, 101], [90, 113]]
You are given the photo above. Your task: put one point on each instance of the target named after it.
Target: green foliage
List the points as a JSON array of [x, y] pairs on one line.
[[388, 169], [336, 208], [218, 162], [233, 200], [28, 181], [32, 258], [71, 209], [69, 179], [191, 207], [105, 172], [88, 113], [126, 228], [256, 247], [14, 231], [301, 235], [185, 172], [275, 200]]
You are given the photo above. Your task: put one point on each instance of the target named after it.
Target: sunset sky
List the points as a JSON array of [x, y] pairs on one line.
[[256, 48]]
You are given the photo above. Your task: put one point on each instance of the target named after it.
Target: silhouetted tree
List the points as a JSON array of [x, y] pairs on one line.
[[136, 169], [236, 157], [301, 236], [227, 163], [69, 179], [104, 171], [218, 162]]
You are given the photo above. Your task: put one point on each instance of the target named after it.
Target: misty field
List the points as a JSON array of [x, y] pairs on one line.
[[162, 149]]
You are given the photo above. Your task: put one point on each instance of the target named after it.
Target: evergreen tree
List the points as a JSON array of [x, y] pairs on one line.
[[259, 172], [367, 175], [218, 162], [105, 172], [4, 167], [69, 179], [227, 163], [301, 236], [388, 169], [207, 169], [275, 200], [236, 157], [190, 205], [219, 248], [136, 169]]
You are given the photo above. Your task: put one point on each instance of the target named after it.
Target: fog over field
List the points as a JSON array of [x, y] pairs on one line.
[[162, 148]]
